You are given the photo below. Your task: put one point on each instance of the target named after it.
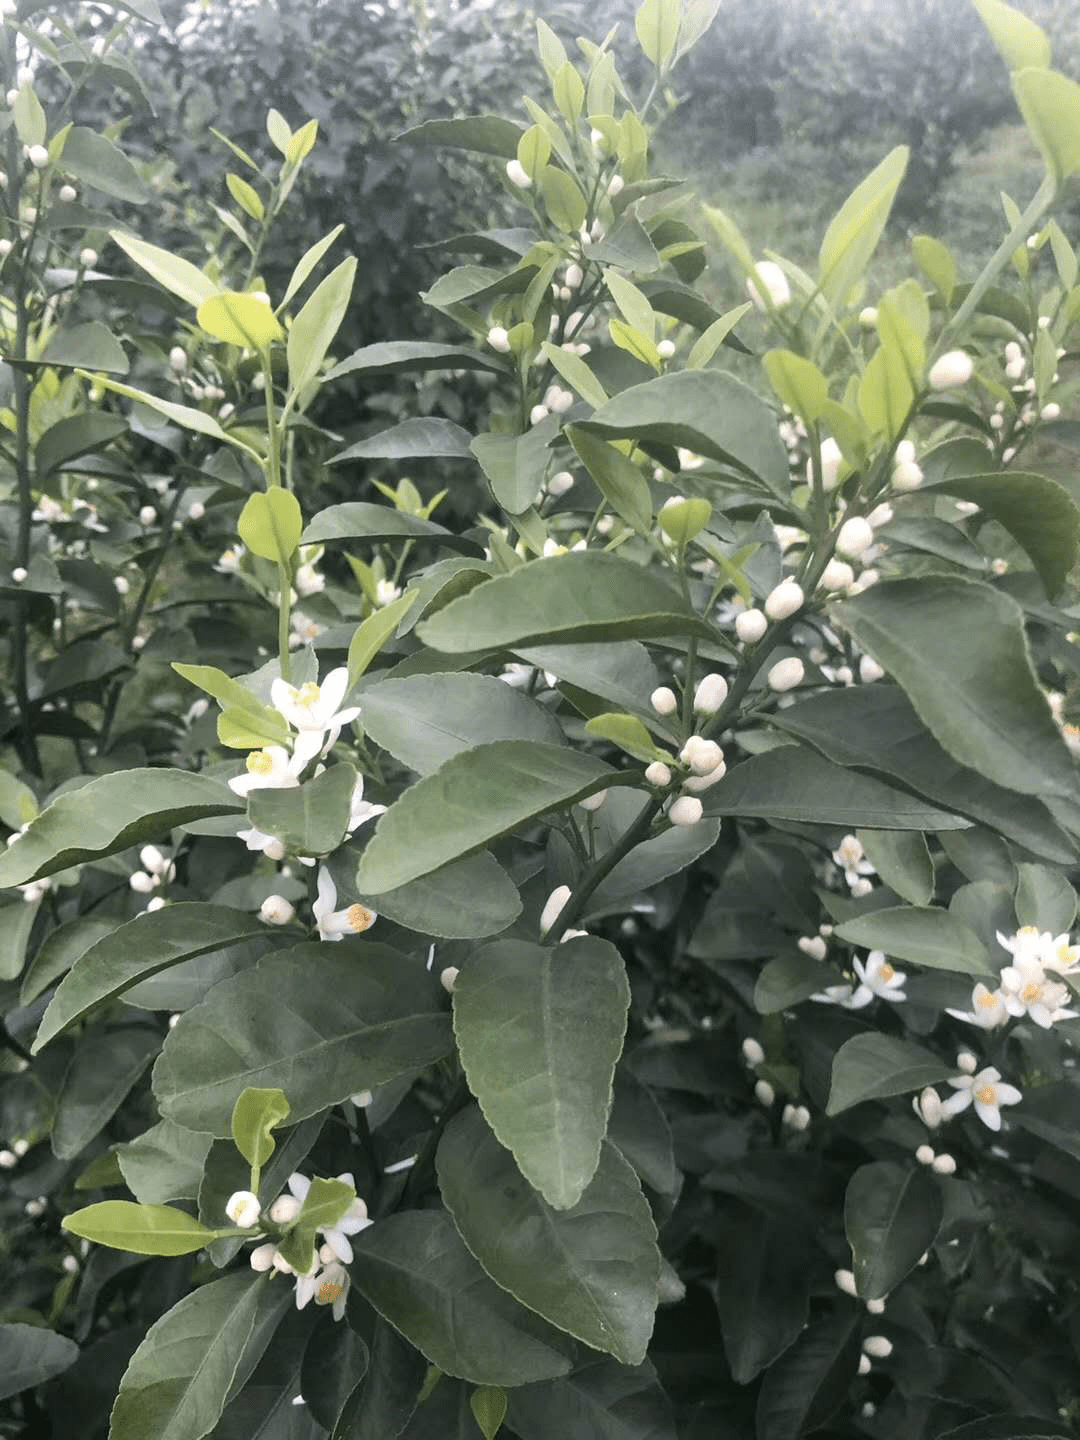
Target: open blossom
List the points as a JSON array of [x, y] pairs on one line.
[[314, 711], [336, 924], [268, 769], [987, 1009], [851, 857], [361, 810], [986, 1091], [352, 1222], [1027, 990], [877, 978]]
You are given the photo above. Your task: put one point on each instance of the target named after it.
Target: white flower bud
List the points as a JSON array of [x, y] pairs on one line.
[[560, 483], [8, 1160], [772, 281], [925, 1155], [868, 317], [904, 453], [157, 903], [276, 910], [518, 175], [711, 692], [695, 784], [593, 802], [1014, 370], [553, 907], [197, 510], [615, 186], [845, 1281], [10, 97], [864, 1365], [68, 194], [243, 1208], [36, 1208], [764, 1092], [658, 774], [944, 1165], [856, 535], [666, 349], [875, 1307], [178, 361], [6, 248], [951, 370], [750, 626], [966, 1063], [262, 1257], [701, 755], [1051, 411], [785, 600], [121, 585], [151, 858], [877, 1346], [786, 674], [869, 670], [499, 339], [538, 413], [837, 575], [141, 883], [88, 258], [814, 946], [907, 476], [70, 1265], [19, 574], [362, 1099], [448, 978], [147, 515], [284, 1210], [574, 276], [38, 156], [663, 701], [30, 214], [799, 1119], [752, 1052], [685, 811]]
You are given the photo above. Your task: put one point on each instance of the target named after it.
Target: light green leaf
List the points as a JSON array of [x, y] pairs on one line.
[[591, 1270], [271, 523], [1019, 39], [475, 797], [628, 732], [231, 694], [488, 1403], [576, 373], [1050, 105], [710, 339], [539, 1029], [30, 124], [873, 1067], [656, 25], [892, 1214], [256, 1115], [798, 383], [533, 151], [172, 271], [936, 262], [144, 1229], [563, 199], [125, 808], [246, 196], [933, 938], [239, 319], [853, 234], [324, 1205], [516, 465], [418, 1274], [184, 415], [314, 329]]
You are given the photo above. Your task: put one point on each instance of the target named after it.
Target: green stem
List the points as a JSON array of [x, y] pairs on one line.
[[273, 479]]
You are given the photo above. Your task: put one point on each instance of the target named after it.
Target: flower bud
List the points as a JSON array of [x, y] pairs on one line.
[[868, 317], [786, 674], [925, 1155], [362, 1099], [663, 701], [764, 1092], [951, 370], [837, 575], [856, 535], [553, 908], [574, 275], [752, 1052], [685, 811], [178, 361], [518, 175], [8, 1160], [814, 946], [799, 1118], [907, 476], [666, 349], [750, 626], [615, 186], [560, 483], [845, 1281], [262, 1257], [832, 459], [448, 978], [243, 1208], [121, 585], [772, 282], [1014, 370], [276, 910], [141, 882], [877, 1346], [147, 515], [499, 339], [88, 258], [695, 784], [38, 156], [19, 574], [284, 1210], [966, 1063], [701, 755], [785, 600], [6, 248], [157, 903], [593, 802], [869, 670], [70, 1265], [875, 1307], [658, 774], [68, 194], [538, 413], [710, 694], [864, 1365], [197, 510], [1051, 411], [944, 1165], [151, 858]]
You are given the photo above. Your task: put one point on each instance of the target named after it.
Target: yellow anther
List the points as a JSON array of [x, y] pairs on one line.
[[986, 1095], [360, 918], [260, 762]]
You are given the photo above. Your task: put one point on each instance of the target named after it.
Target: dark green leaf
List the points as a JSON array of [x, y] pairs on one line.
[[762, 1288], [393, 357], [417, 439], [600, 1400], [892, 1214], [465, 900], [90, 157], [810, 1381], [359, 520], [90, 346], [30, 1355], [872, 1067], [309, 819], [105, 1066], [925, 936]]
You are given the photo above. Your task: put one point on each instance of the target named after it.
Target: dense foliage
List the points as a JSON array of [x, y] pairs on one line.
[[549, 916]]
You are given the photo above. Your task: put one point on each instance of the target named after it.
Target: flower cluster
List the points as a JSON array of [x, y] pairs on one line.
[[1032, 985]]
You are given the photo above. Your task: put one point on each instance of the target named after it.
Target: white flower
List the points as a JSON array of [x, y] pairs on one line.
[[1059, 956], [308, 580], [750, 626], [951, 370], [856, 535], [877, 977], [772, 281], [837, 575], [663, 700], [796, 1117], [1050, 411], [499, 339], [813, 945], [19, 574], [869, 670], [695, 784], [243, 1208], [927, 1107], [786, 674], [1027, 943], [711, 692], [986, 1091], [268, 769], [328, 1286], [336, 924], [314, 711], [386, 592], [785, 600], [68, 194], [337, 1235], [361, 810], [686, 810], [1026, 990], [88, 258], [845, 1281], [276, 910], [907, 476], [925, 1154], [141, 883], [832, 458], [987, 1009], [877, 1346], [752, 1052], [553, 907], [270, 845], [658, 774], [944, 1164], [844, 996], [518, 175], [701, 755], [615, 186], [39, 158]]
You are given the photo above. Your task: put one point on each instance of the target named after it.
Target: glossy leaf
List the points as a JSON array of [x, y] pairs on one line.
[[421, 438], [256, 1115], [872, 1067], [311, 818], [144, 1229], [852, 237], [31, 1355], [270, 524], [803, 1389], [239, 319], [925, 936], [105, 1067], [892, 1213], [391, 357], [464, 900], [359, 520], [172, 271], [313, 330]]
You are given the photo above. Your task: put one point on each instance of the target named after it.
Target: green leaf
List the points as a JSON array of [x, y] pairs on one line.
[[1044, 898], [465, 900], [811, 1380], [324, 1205], [710, 340], [425, 719], [576, 373], [1019, 39], [1050, 105], [418, 1275], [925, 936], [143, 947], [126, 808], [539, 1029], [533, 151], [475, 797], [271, 523], [346, 1018], [601, 1399], [854, 232], [421, 438], [17, 921], [892, 1214], [791, 783], [628, 732], [566, 598], [359, 520], [515, 465], [246, 196], [620, 481], [180, 1377], [232, 694], [30, 123], [927, 633], [408, 356], [762, 1288], [591, 1270], [872, 1067], [74, 436], [106, 1065], [172, 271], [313, 331], [886, 391], [903, 861], [164, 1163], [239, 319], [256, 1114], [483, 134], [18, 803], [563, 200], [91, 346], [59, 951], [656, 25], [144, 1229], [936, 262], [184, 415], [568, 91], [97, 161], [786, 980], [706, 411], [798, 383], [30, 1355], [488, 1403], [372, 634], [309, 819], [1038, 513]]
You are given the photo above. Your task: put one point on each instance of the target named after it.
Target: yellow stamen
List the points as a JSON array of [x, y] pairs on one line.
[[308, 694], [1027, 931], [1030, 993], [986, 1095], [886, 972], [328, 1292], [988, 1001], [260, 762], [360, 918]]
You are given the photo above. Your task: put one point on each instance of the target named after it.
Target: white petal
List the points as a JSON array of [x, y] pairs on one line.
[[299, 1185], [339, 1244], [326, 898], [306, 746], [332, 690], [990, 1115], [282, 696], [1008, 1094]]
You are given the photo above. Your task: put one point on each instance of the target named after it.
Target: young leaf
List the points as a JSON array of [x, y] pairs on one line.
[[271, 523], [853, 234], [172, 271], [798, 383], [313, 330], [246, 196], [1050, 105], [1019, 39], [657, 27], [239, 319], [145, 1229], [255, 1116]]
